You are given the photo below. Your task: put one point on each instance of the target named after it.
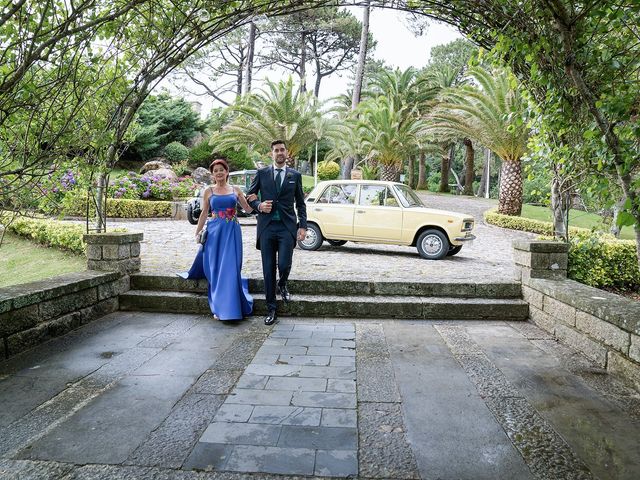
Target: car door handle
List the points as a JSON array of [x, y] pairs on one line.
[[317, 209], [361, 211]]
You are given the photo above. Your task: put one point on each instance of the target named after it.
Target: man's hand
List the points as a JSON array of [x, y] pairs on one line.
[[266, 206], [302, 233]]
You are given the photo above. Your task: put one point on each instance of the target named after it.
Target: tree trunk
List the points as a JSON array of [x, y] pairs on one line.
[[239, 75], [468, 168], [248, 69], [316, 88], [560, 205], [444, 169], [422, 172], [617, 208], [510, 198], [303, 62], [389, 173], [485, 182], [101, 216], [411, 177], [362, 57], [347, 166]]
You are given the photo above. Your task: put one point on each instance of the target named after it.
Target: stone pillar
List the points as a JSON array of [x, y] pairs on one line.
[[113, 251], [540, 259]]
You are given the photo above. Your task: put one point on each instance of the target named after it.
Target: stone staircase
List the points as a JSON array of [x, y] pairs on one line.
[[341, 298]]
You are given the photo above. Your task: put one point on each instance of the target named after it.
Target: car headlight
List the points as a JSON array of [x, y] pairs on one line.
[[467, 225]]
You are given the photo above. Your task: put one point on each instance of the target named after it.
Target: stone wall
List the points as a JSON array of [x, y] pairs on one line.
[[34, 312], [602, 326]]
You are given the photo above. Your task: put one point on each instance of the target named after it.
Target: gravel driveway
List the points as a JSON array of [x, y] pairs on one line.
[[168, 247]]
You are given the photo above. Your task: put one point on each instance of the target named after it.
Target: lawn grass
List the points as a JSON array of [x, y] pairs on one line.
[[23, 261], [577, 218], [307, 181]]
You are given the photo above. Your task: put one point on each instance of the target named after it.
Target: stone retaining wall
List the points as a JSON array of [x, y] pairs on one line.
[[34, 312], [602, 326]]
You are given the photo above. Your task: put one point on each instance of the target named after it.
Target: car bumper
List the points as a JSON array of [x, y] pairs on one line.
[[466, 238]]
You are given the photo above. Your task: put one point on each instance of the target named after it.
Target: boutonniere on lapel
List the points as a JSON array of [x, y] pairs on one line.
[[289, 176]]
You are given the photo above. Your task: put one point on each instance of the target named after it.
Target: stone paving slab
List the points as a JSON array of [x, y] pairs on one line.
[[420, 399]]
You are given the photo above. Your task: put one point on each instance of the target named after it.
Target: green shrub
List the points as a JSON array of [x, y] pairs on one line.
[[201, 155], [76, 205], [595, 259], [602, 260], [525, 224], [433, 182], [328, 170], [370, 172], [52, 233], [176, 152]]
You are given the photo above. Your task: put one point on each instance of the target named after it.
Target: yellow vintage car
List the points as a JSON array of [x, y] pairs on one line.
[[372, 211]]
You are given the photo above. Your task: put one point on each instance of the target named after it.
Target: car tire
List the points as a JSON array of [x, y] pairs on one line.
[[432, 244], [336, 243], [453, 250], [313, 240], [190, 217]]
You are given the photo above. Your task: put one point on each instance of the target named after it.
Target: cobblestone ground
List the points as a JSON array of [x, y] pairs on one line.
[[169, 247], [137, 396]]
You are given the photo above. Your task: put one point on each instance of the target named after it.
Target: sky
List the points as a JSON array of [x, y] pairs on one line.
[[396, 45]]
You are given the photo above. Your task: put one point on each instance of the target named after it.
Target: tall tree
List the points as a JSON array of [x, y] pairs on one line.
[[494, 115], [362, 55], [281, 111], [325, 36]]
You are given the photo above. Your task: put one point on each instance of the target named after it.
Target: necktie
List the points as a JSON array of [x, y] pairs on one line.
[[278, 179]]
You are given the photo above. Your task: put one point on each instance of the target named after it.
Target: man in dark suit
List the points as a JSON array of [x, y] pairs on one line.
[[280, 187]]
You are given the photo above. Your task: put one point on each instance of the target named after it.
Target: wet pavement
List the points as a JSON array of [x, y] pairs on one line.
[[178, 396], [168, 396]]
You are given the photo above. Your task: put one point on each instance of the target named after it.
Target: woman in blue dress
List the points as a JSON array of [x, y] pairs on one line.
[[219, 259]]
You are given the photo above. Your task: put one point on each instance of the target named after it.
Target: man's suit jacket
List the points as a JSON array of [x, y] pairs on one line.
[[290, 193]]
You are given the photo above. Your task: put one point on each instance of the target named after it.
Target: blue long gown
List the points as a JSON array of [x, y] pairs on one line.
[[220, 261]]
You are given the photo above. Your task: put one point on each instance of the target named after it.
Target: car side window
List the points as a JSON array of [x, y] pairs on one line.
[[389, 199], [236, 180], [372, 195], [338, 194], [343, 194], [324, 198]]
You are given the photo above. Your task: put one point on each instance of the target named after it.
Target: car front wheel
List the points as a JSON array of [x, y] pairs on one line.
[[313, 239], [192, 220], [432, 245]]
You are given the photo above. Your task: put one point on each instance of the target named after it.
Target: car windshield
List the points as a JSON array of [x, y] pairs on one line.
[[408, 197]]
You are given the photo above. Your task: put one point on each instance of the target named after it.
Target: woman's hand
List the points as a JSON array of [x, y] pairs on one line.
[[252, 197]]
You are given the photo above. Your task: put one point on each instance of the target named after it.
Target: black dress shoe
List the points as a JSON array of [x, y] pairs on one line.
[[286, 296], [271, 318]]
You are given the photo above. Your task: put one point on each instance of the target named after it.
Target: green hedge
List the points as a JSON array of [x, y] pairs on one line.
[[603, 261], [525, 224], [52, 233], [120, 207], [595, 259], [328, 171]]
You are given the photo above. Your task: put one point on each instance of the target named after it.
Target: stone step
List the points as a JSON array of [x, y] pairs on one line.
[[354, 306], [345, 287]]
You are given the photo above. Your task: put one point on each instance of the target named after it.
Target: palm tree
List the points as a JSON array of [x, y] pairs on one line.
[[388, 133], [495, 115], [410, 95], [278, 112]]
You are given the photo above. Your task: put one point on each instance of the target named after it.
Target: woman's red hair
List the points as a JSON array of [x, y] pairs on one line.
[[219, 161]]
